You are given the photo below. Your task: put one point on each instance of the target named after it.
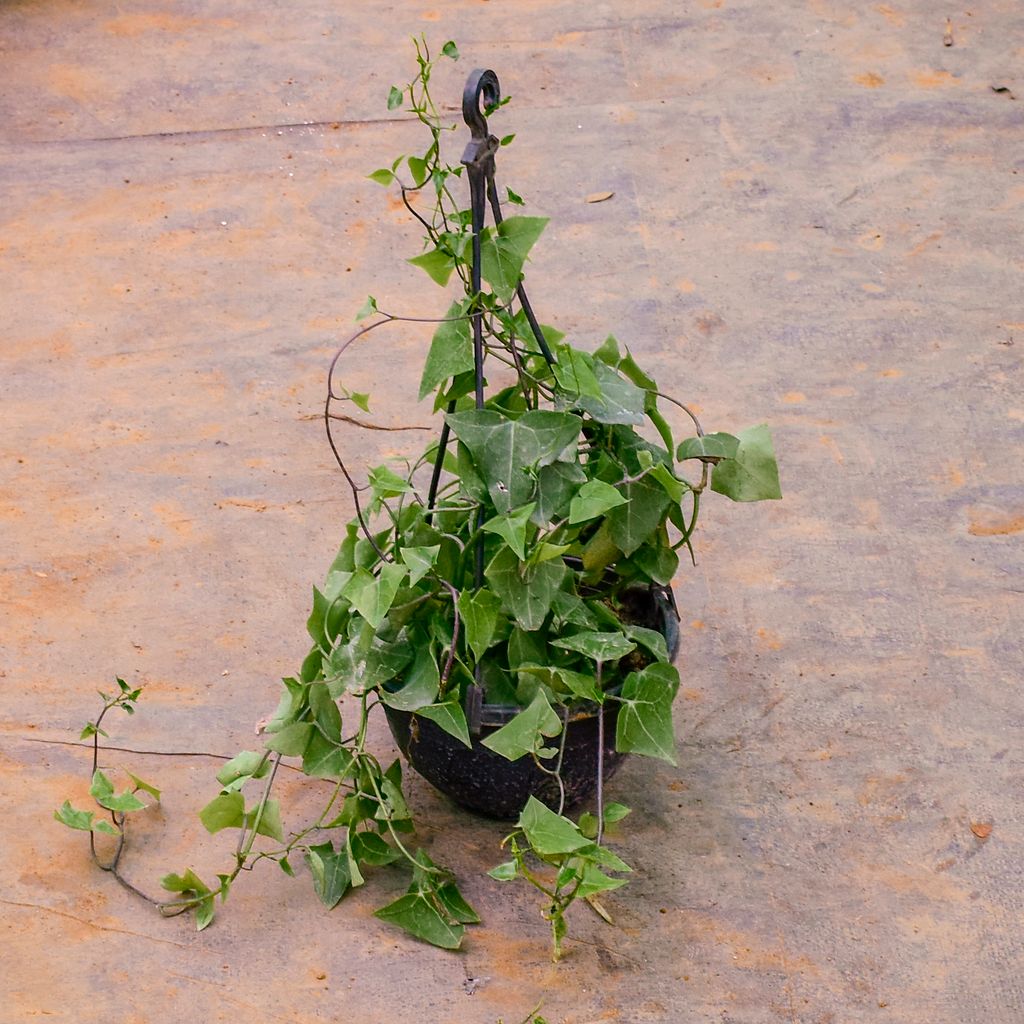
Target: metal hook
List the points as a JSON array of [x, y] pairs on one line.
[[480, 84]]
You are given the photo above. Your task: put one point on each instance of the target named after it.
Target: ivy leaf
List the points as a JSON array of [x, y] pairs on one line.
[[420, 687], [419, 560], [575, 372], [224, 811], [504, 449], [370, 305], [650, 639], [523, 734], [418, 168], [249, 764], [83, 820], [102, 791], [645, 719], [513, 197], [386, 483], [418, 915], [185, 884], [270, 821], [450, 717], [503, 252], [479, 611], [382, 176], [326, 759], [556, 484], [292, 740], [450, 49], [594, 880], [512, 526], [437, 264], [526, 592], [597, 646], [146, 787], [593, 499], [621, 400], [451, 350], [752, 474], [549, 834], [504, 872], [372, 596], [455, 905], [330, 873], [394, 98], [710, 446], [631, 524]]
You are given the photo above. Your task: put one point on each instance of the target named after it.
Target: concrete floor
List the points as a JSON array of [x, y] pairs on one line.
[[816, 223]]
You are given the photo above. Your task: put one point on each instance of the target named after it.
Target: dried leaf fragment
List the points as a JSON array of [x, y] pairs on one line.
[[982, 829], [598, 197]]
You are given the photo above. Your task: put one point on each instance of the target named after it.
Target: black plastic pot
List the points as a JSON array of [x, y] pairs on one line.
[[488, 783]]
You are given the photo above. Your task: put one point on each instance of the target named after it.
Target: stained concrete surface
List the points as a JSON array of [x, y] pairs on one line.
[[816, 223]]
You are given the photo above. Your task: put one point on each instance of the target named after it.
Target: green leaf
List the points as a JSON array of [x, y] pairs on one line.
[[631, 524], [438, 265], [420, 687], [361, 399], [650, 639], [479, 611], [420, 560], [615, 812], [526, 592], [594, 880], [382, 176], [523, 734], [451, 350], [506, 140], [87, 731], [326, 714], [369, 848], [752, 474], [505, 451], [597, 646], [419, 170], [394, 98], [224, 811], [512, 526], [514, 197], [563, 679], [450, 49], [454, 904], [418, 915], [270, 821], [370, 305], [146, 787], [450, 717], [325, 759], [102, 791], [600, 551], [621, 400], [386, 483], [248, 764], [504, 872], [556, 484], [670, 483], [712, 446], [330, 873], [548, 833], [82, 820], [575, 373], [504, 250], [292, 740], [593, 499], [645, 719], [372, 596]]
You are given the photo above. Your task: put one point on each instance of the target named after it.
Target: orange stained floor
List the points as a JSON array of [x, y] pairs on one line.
[[816, 223]]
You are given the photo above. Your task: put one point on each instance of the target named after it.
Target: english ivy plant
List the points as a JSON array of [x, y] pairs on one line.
[[500, 559]]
